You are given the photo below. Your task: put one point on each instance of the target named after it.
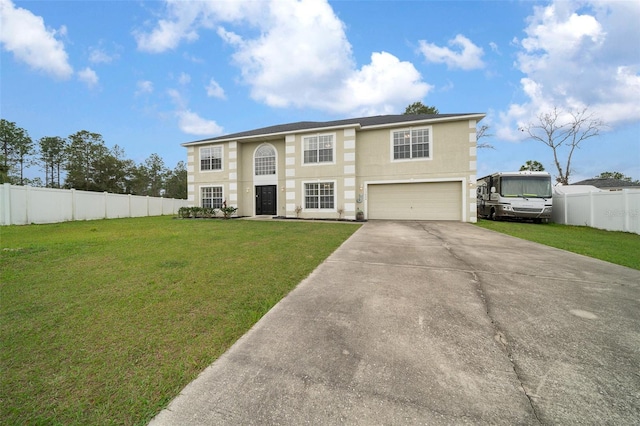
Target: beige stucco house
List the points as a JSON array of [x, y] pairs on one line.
[[401, 167]]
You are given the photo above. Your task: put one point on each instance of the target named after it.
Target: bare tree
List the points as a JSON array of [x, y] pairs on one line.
[[482, 132], [564, 132]]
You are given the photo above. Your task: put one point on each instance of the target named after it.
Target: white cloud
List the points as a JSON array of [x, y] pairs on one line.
[[191, 123], [467, 56], [578, 55], [184, 78], [88, 76], [100, 56], [315, 70], [25, 35], [214, 90], [143, 87]]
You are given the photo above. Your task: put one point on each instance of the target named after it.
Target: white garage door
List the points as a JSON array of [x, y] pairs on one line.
[[415, 201]]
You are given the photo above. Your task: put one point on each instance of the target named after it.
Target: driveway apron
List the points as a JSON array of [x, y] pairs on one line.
[[434, 323]]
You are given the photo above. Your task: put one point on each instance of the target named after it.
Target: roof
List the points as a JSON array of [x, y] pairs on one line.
[[361, 122], [608, 183]]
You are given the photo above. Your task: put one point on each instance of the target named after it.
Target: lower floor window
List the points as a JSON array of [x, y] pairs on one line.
[[212, 197], [319, 195]]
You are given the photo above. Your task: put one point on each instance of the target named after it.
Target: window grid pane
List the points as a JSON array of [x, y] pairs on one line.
[[212, 197], [318, 149], [211, 158], [311, 196], [266, 166], [411, 144], [319, 195], [401, 145]]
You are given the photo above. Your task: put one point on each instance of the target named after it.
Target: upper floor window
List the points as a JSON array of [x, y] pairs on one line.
[[265, 160], [211, 158], [318, 149], [411, 143]]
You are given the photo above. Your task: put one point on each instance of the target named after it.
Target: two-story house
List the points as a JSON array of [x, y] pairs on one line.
[[401, 167]]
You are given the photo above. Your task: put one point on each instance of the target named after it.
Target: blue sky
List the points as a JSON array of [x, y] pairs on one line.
[[150, 75]]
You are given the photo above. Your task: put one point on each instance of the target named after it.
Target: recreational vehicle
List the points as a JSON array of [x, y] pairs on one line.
[[515, 195]]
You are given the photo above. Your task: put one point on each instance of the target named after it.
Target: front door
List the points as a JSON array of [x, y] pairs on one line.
[[266, 200]]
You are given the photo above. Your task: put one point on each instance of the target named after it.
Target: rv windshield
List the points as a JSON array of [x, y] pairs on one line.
[[526, 186]]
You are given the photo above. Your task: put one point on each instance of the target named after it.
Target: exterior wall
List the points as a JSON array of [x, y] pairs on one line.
[[247, 181], [341, 172], [453, 158], [361, 157]]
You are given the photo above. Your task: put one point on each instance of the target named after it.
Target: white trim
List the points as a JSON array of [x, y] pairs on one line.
[[462, 180], [410, 129], [318, 181], [200, 187], [262, 180], [429, 121], [349, 144], [319, 163], [222, 159]]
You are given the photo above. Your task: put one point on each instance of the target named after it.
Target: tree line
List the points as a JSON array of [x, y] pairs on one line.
[[83, 161]]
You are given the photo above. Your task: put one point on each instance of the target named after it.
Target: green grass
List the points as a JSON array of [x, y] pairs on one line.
[[104, 322], [621, 248]]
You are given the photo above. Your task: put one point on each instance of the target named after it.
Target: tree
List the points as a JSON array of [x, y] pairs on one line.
[[84, 153], [112, 171], [420, 108], [15, 146], [562, 131], [617, 175], [156, 172], [52, 156], [176, 183], [23, 148], [532, 166], [482, 133]]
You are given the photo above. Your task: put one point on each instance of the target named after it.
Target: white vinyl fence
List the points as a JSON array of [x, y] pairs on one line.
[[21, 205], [610, 210]]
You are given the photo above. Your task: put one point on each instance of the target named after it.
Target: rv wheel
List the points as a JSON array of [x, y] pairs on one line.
[[492, 215]]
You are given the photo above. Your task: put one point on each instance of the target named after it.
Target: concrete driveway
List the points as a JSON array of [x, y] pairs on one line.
[[434, 323]]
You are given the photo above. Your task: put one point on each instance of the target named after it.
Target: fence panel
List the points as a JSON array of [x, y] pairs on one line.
[[45, 204], [90, 205], [21, 205], [117, 205], [139, 206], [610, 210]]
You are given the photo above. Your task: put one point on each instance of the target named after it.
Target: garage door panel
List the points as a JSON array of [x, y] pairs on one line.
[[415, 201]]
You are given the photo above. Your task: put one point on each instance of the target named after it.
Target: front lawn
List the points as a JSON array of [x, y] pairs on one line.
[[621, 248], [104, 322]]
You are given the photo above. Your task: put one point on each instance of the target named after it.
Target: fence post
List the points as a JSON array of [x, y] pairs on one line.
[[627, 212], [27, 195], [6, 204], [566, 208], [73, 204]]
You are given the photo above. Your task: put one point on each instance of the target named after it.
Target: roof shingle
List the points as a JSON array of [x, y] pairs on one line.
[[377, 120]]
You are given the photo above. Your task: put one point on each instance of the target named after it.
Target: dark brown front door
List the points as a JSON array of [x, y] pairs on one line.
[[266, 200]]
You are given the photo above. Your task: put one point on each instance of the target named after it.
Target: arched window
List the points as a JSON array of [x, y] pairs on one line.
[[265, 160]]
